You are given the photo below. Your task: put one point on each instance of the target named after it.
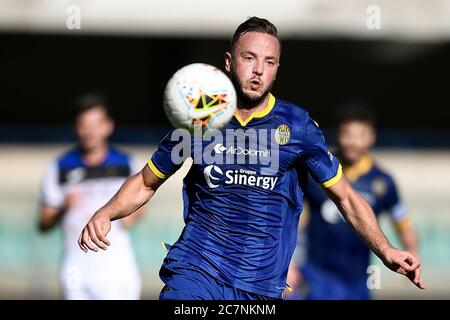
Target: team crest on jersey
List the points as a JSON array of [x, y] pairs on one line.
[[379, 187], [282, 134], [76, 175]]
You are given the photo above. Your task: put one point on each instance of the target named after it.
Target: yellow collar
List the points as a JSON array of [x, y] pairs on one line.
[[359, 169], [258, 114]]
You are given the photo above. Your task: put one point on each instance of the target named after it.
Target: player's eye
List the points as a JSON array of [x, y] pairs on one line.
[[248, 58], [271, 63]]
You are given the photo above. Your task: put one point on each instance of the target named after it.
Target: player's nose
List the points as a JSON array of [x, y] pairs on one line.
[[258, 69]]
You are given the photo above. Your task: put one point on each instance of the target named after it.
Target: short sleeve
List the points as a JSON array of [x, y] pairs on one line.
[[169, 156], [394, 206], [51, 191], [320, 162]]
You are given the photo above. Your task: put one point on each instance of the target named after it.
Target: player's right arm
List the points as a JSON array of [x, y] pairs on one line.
[[53, 201], [51, 215], [136, 191]]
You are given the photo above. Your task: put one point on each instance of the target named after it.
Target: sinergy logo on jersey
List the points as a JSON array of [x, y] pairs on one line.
[[213, 176]]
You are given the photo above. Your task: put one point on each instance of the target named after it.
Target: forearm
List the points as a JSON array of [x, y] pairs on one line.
[[132, 195], [49, 218], [408, 238], [361, 218]]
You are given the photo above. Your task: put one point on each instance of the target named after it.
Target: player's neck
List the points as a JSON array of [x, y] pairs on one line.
[[361, 161], [95, 156], [355, 169], [245, 111]]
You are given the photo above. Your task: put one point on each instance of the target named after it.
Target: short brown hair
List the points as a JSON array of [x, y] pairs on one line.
[[355, 111], [254, 24], [90, 101]]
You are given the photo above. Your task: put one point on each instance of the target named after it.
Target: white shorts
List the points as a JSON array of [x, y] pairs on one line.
[[78, 284]]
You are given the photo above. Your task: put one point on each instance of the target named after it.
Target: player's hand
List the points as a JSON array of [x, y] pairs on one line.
[[404, 263], [95, 231]]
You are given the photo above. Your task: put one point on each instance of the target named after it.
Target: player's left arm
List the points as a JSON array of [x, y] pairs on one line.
[[359, 215], [399, 216], [408, 237], [130, 220], [326, 170]]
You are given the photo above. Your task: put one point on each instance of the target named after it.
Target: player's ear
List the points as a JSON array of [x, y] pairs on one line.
[[110, 126], [374, 138], [372, 134], [228, 61]]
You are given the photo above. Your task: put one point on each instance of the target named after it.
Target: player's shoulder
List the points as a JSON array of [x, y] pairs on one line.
[[290, 110], [379, 172], [119, 156], [118, 153], [70, 158], [294, 116]]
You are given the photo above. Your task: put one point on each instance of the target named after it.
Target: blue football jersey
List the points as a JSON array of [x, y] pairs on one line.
[[329, 242], [241, 210]]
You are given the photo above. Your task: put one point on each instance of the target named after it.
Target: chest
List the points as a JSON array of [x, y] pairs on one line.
[[268, 148]]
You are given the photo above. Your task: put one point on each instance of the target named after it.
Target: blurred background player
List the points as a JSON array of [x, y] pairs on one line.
[[79, 182], [335, 260]]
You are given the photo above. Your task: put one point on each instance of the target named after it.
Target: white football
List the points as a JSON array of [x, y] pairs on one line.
[[199, 94]]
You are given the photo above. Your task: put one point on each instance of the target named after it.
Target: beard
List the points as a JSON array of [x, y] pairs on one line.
[[247, 101]]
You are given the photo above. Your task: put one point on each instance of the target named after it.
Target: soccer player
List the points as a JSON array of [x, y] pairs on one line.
[[77, 183], [335, 260], [241, 218]]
